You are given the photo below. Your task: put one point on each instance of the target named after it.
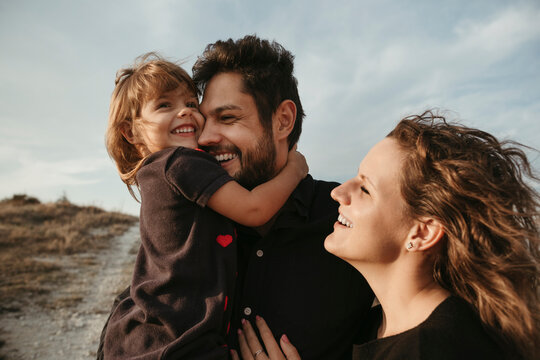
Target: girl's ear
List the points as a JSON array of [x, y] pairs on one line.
[[126, 128], [425, 233], [283, 119]]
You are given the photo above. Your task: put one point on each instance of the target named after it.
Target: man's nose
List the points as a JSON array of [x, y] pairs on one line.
[[210, 134]]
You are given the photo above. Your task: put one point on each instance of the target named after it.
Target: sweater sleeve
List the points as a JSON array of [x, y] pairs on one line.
[[195, 174]]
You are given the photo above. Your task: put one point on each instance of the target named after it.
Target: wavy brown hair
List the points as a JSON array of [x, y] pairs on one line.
[[148, 78], [476, 186]]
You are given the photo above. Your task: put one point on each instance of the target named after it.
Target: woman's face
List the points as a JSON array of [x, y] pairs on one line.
[[372, 225]]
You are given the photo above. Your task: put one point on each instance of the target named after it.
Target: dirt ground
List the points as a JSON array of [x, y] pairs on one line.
[[70, 329]]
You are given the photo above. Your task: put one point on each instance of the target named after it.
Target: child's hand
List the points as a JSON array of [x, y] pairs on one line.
[[297, 161]]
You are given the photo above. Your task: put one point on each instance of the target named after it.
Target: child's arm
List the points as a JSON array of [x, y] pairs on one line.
[[256, 207]]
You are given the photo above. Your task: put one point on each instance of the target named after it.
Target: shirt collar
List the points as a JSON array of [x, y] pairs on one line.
[[294, 212], [296, 209]]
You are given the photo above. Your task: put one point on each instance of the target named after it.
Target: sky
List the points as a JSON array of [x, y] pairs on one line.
[[361, 67]]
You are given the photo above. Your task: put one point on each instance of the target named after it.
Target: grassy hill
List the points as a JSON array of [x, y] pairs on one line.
[[35, 237]]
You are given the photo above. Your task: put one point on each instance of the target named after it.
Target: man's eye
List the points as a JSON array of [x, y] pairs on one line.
[[364, 190], [227, 118]]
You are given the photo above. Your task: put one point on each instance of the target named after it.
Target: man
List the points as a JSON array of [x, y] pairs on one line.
[[253, 118]]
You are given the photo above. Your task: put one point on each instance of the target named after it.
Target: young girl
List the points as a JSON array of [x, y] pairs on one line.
[[179, 302]]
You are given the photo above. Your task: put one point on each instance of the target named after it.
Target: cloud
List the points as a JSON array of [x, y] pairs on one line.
[[360, 67], [500, 35], [480, 67], [25, 173]]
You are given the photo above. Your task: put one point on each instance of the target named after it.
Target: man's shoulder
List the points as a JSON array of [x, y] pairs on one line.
[[326, 185], [317, 187], [315, 196]]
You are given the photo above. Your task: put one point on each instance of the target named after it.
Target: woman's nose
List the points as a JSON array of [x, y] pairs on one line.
[[341, 194]]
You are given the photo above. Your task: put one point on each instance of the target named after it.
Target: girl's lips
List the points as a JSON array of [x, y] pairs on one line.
[[184, 130]]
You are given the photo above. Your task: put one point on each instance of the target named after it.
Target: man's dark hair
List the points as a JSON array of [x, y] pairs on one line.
[[267, 72]]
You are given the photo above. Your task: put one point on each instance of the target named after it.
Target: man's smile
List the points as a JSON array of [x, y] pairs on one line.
[[225, 157]]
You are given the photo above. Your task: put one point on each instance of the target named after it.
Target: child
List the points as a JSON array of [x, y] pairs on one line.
[[179, 303]]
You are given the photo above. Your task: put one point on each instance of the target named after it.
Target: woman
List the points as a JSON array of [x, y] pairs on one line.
[[441, 223]]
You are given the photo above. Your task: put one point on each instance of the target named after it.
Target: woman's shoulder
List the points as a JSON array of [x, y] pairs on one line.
[[455, 327], [452, 331]]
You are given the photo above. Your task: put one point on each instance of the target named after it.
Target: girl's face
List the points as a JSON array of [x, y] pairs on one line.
[[171, 120], [372, 225]]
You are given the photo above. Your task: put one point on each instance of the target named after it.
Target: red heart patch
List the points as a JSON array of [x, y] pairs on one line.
[[224, 240]]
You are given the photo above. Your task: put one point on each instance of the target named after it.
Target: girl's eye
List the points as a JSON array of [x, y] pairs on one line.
[[163, 105], [364, 190], [192, 104]]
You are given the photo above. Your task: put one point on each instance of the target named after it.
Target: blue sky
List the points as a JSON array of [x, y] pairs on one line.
[[361, 66]]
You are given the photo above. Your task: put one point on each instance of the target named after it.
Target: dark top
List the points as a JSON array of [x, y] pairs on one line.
[[179, 302], [453, 331], [300, 289]]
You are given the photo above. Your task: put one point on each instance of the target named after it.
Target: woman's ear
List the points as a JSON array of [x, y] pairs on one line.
[[283, 119], [425, 233], [126, 128]]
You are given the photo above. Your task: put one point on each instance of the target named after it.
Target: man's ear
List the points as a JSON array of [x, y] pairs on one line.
[[284, 119], [126, 128], [425, 233]]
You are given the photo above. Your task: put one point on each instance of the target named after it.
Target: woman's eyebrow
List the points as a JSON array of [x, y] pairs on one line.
[[367, 179]]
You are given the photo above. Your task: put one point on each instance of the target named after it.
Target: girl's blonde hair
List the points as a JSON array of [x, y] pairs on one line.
[[474, 185], [148, 78]]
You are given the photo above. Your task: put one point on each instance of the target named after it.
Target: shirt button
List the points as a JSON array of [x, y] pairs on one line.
[[247, 311], [260, 253]]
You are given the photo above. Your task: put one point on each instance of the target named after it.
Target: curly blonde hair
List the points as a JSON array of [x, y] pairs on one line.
[[475, 186], [148, 78]]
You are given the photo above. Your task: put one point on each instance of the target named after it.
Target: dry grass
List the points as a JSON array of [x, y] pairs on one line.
[[33, 234]]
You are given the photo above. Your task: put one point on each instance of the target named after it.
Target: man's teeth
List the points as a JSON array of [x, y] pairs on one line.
[[342, 220], [225, 157], [183, 130]]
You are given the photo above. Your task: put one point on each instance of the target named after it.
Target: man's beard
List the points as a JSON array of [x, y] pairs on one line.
[[257, 164]]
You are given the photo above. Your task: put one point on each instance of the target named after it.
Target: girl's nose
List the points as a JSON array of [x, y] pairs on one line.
[[186, 111]]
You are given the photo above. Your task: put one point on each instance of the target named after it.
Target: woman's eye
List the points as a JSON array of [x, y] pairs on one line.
[[364, 190]]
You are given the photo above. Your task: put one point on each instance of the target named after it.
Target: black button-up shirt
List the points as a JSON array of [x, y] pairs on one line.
[[287, 277]]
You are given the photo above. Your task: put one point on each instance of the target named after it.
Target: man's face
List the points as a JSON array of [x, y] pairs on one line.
[[233, 132]]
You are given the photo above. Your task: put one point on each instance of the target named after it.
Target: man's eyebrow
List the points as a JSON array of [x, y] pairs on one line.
[[225, 107]]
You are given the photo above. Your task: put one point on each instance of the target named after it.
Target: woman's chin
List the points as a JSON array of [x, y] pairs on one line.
[[329, 243]]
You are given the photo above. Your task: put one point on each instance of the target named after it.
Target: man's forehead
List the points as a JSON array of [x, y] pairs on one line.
[[223, 84], [224, 92]]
